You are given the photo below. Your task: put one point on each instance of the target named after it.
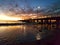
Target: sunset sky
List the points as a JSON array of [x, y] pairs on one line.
[[5, 5], [21, 3]]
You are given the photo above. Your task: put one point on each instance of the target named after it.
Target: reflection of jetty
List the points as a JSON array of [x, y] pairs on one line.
[[43, 20]]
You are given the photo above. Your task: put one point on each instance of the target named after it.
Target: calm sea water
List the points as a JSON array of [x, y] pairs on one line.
[[25, 33]]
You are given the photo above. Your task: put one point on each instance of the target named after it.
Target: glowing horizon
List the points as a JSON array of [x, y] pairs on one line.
[[6, 17]]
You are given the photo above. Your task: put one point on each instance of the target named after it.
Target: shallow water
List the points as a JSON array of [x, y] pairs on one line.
[[25, 33]]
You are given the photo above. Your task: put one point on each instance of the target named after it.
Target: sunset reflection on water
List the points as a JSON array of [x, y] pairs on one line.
[[25, 33]]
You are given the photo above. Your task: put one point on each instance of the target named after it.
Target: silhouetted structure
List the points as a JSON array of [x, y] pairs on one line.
[[43, 20]]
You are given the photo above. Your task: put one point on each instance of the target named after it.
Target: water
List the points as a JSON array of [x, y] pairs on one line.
[[25, 33]]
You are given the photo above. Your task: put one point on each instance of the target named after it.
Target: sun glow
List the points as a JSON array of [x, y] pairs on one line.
[[5, 17]]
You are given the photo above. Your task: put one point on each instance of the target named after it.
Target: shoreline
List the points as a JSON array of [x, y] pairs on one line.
[[7, 24]]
